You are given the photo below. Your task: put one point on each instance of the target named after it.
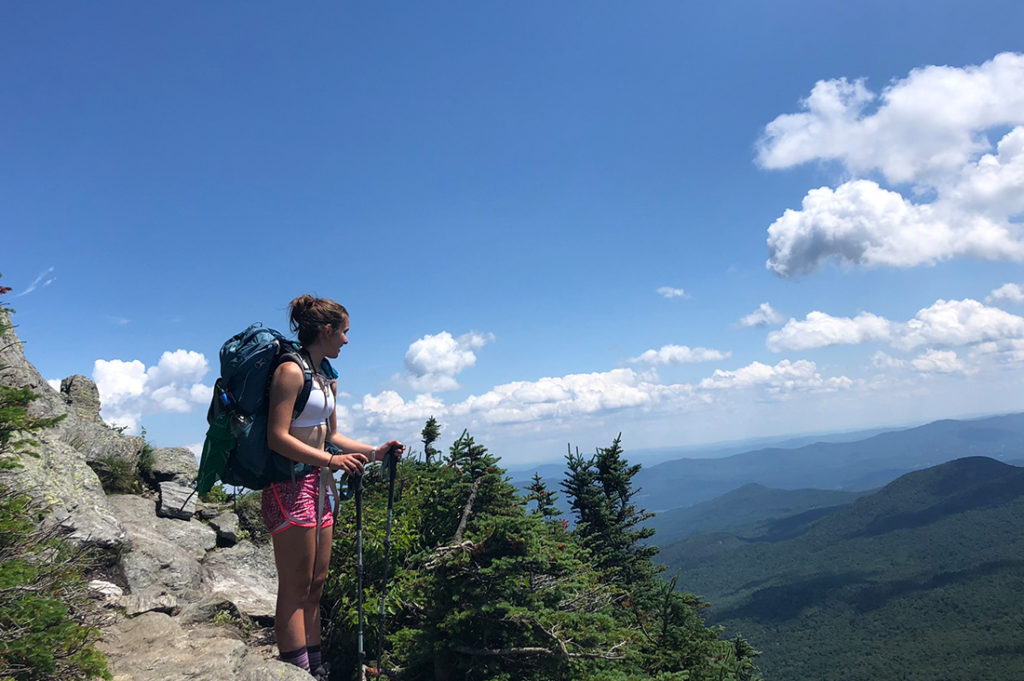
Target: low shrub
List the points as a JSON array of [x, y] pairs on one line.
[[250, 517], [45, 612]]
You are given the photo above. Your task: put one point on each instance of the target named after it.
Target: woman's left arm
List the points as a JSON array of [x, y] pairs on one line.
[[347, 444]]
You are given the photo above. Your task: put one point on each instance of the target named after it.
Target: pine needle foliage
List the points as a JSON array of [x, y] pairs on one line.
[[483, 588]]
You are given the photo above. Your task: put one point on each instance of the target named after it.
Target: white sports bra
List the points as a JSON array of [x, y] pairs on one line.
[[318, 409]]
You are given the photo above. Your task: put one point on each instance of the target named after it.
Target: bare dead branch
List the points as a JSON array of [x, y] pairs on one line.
[[467, 509]]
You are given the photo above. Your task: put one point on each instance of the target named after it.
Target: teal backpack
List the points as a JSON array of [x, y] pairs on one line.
[[236, 449]]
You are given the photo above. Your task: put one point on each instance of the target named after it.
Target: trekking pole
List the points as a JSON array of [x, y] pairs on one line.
[[391, 462], [361, 655]]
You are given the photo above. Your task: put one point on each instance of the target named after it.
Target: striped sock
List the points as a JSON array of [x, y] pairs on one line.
[[299, 658], [314, 656]]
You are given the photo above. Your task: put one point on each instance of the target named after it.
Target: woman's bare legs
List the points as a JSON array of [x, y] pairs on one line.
[[311, 611], [293, 555]]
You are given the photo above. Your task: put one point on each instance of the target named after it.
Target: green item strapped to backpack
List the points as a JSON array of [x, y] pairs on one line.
[[236, 449]]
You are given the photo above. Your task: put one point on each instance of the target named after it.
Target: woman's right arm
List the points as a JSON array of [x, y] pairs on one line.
[[285, 387]]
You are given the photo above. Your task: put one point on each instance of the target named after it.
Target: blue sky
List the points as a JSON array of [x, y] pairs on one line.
[[498, 191]]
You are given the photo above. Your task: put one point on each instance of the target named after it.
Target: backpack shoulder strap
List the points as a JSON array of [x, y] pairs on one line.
[[328, 370], [307, 379]]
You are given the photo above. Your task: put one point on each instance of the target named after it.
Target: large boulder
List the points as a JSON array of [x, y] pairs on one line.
[[244, 574], [227, 527], [165, 554], [84, 430], [177, 464], [81, 394], [155, 647]]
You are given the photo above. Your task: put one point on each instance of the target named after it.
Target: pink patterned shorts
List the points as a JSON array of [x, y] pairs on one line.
[[294, 505]]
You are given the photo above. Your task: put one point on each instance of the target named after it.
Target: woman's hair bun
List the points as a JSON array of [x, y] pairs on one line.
[[309, 315]]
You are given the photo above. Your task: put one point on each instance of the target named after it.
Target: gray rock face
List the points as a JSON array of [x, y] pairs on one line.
[[82, 395], [226, 526], [245, 575], [154, 647], [175, 463], [176, 501], [60, 480], [165, 553]]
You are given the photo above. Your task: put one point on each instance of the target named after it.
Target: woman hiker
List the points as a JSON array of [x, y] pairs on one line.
[[290, 509]]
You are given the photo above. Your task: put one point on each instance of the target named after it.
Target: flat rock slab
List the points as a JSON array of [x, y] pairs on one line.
[[155, 647], [244, 574], [105, 591], [176, 501], [165, 554], [136, 605]]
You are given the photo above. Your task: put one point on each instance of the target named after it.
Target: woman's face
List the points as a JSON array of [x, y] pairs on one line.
[[335, 338]]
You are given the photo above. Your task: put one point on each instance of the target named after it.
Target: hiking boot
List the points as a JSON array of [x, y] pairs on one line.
[[321, 673]]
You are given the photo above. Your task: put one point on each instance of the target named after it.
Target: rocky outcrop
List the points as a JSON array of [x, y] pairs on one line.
[[161, 626], [57, 476], [86, 432], [83, 397]]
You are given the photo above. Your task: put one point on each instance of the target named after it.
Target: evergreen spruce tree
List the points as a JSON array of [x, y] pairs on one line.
[[600, 491], [538, 491], [431, 431]]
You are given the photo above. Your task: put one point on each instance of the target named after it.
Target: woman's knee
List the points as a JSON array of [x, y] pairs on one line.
[[316, 591]]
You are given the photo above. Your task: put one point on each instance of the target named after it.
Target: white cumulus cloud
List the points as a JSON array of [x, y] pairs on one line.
[[930, 130], [432, 362], [938, 361], [784, 377], [389, 409], [958, 322], [880, 360], [669, 292], [762, 316], [820, 330], [54, 383], [1008, 293], [680, 354], [945, 323], [128, 390]]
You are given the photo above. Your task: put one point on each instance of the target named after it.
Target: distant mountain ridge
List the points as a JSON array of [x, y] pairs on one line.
[[752, 506], [918, 581], [850, 466]]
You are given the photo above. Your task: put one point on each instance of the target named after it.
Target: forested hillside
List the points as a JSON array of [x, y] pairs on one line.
[[919, 581], [748, 511]]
